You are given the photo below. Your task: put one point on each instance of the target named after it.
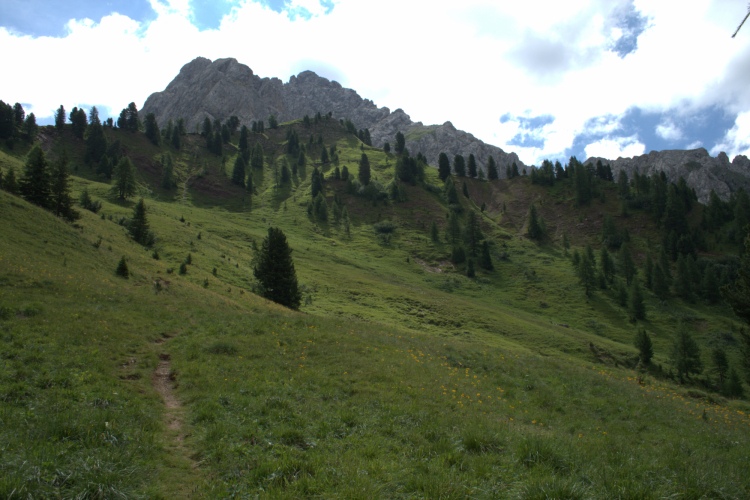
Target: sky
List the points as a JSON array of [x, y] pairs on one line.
[[543, 78]]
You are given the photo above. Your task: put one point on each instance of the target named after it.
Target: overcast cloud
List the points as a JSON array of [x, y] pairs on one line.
[[546, 79]]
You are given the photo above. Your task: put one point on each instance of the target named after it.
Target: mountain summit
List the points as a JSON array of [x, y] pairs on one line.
[[224, 87]]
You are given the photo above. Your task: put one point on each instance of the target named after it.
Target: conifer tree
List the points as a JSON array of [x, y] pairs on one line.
[[364, 170], [535, 229], [644, 346], [122, 269], [586, 273], [274, 270], [316, 183], [176, 138], [400, 143], [485, 259], [660, 283], [434, 234], [152, 129], [472, 166], [238, 171], [124, 177], [685, 353], [257, 159], [139, 227], [636, 306], [459, 166], [606, 264], [10, 184], [491, 169], [30, 127], [34, 186], [627, 266], [444, 166], [60, 117], [96, 141], [78, 122], [61, 202], [167, 177]]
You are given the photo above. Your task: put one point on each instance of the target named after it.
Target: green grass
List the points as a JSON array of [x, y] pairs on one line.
[[400, 377]]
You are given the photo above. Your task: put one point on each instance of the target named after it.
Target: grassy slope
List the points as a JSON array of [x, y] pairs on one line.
[[395, 380]]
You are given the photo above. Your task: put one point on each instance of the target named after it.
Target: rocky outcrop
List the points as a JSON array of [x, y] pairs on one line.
[[702, 172], [224, 87]]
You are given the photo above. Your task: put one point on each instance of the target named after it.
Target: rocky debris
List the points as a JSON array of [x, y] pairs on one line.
[[224, 87], [702, 172]]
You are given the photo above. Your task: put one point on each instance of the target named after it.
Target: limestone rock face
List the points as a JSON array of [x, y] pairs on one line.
[[701, 171], [224, 87]]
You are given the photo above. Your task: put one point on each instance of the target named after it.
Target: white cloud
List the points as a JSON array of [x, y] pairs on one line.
[[669, 131], [469, 62], [737, 139], [612, 149]]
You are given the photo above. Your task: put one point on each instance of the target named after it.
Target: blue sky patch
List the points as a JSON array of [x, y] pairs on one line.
[[632, 24], [207, 14], [48, 18], [659, 131], [530, 130]]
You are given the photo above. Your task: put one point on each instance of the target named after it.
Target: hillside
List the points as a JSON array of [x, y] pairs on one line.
[[401, 376]]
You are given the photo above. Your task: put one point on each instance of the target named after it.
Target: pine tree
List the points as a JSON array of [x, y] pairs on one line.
[[238, 171], [459, 166], [660, 283], [274, 270], [644, 346], [152, 129], [685, 353], [400, 143], [627, 266], [364, 170], [738, 293], [122, 269], [78, 122], [434, 234], [586, 274], [60, 118], [138, 225], [96, 141], [30, 127], [485, 259], [9, 183], [444, 167], [535, 229], [257, 159], [472, 166], [124, 176], [61, 202], [35, 183], [167, 177], [636, 306], [606, 265], [491, 169], [720, 364]]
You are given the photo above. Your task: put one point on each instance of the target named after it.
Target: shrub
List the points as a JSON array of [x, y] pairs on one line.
[[122, 269]]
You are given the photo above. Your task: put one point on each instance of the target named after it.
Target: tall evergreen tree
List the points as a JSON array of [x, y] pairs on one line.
[[35, 182], [459, 165], [636, 305], [10, 184], [96, 141], [61, 202], [274, 270], [257, 159], [644, 345], [472, 166], [444, 166], [491, 169], [152, 129], [60, 117], [167, 177], [138, 227], [30, 127], [586, 274], [485, 259], [686, 355], [535, 228], [364, 170], [400, 143], [78, 122], [124, 176], [238, 171], [738, 293], [627, 266]]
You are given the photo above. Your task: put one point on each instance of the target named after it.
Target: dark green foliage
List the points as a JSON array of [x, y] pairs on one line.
[[243, 144], [648, 271], [434, 234], [622, 293], [387, 147], [686, 356], [122, 269], [7, 121], [324, 156], [60, 117], [30, 127], [286, 174], [710, 285], [167, 176], [720, 364], [61, 203], [34, 185], [316, 182], [128, 119], [544, 176], [364, 170], [183, 268], [492, 173], [238, 171], [87, 203], [400, 143], [485, 259], [152, 129], [585, 269], [449, 190], [9, 182], [458, 255], [738, 293], [636, 306], [733, 385], [470, 271], [623, 185], [78, 121], [459, 165], [96, 141], [138, 226], [465, 190], [683, 286], [472, 166], [409, 169], [535, 229], [274, 270], [444, 167], [176, 138], [583, 181], [124, 177], [606, 265], [320, 208], [644, 346], [627, 265], [473, 233], [345, 173], [256, 160], [610, 235], [453, 230], [273, 123], [660, 283]]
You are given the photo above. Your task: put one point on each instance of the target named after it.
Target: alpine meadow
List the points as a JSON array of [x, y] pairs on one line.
[[287, 305]]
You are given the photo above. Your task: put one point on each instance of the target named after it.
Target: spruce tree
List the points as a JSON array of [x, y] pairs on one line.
[[400, 143], [586, 274], [124, 176], [491, 169], [644, 345], [167, 177], [35, 183], [459, 166], [738, 293], [444, 166], [274, 270], [472, 166], [96, 141], [122, 269], [152, 129], [364, 170], [60, 118], [138, 226], [9, 183], [535, 229], [685, 353], [238, 171], [485, 259], [61, 202], [636, 306]]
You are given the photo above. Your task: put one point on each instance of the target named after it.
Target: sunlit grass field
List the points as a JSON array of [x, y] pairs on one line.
[[399, 377]]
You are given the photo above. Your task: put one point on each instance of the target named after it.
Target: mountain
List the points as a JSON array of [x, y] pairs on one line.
[[702, 171], [224, 87]]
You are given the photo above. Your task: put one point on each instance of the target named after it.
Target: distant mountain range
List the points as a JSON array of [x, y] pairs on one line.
[[224, 87]]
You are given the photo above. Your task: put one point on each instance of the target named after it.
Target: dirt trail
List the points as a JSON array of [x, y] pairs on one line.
[[179, 474]]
